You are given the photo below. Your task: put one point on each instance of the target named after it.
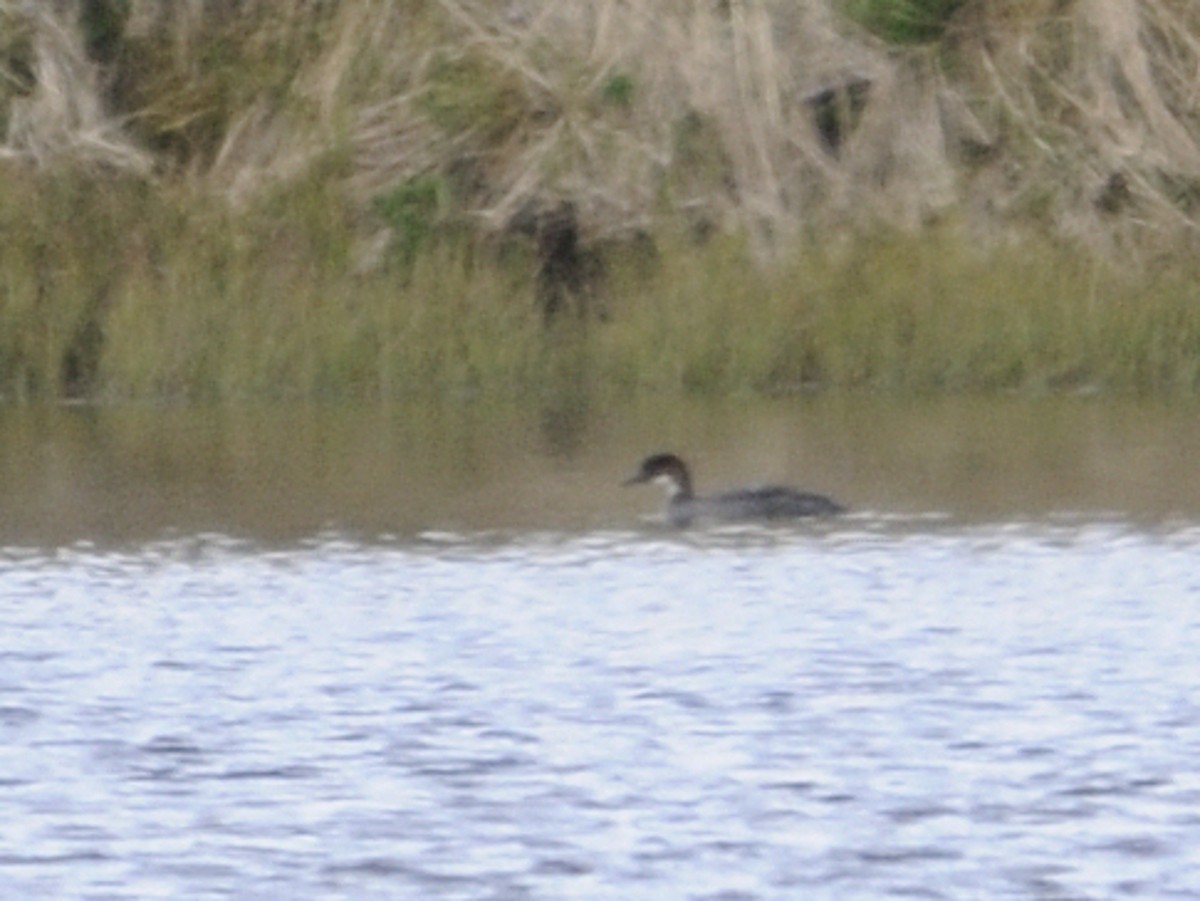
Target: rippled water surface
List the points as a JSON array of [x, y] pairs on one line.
[[939, 697]]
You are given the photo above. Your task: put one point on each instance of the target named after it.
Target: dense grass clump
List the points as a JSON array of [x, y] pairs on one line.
[[914, 314], [125, 292], [902, 21]]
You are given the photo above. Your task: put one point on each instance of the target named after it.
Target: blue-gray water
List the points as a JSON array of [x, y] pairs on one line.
[[960, 702]]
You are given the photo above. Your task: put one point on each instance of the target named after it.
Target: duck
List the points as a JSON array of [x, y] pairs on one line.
[[771, 502]]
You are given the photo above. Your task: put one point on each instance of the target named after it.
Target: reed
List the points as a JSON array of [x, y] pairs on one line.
[[336, 200], [243, 315], [914, 314], [186, 299]]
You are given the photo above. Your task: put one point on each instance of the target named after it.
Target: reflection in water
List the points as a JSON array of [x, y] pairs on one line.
[[137, 473], [872, 711], [565, 417], [565, 407]]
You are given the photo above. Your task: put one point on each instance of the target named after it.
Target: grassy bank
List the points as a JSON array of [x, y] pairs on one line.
[[312, 200], [113, 294]]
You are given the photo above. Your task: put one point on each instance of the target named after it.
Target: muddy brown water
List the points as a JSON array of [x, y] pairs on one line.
[[110, 474]]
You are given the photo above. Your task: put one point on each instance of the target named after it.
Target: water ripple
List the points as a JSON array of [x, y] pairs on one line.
[[897, 709]]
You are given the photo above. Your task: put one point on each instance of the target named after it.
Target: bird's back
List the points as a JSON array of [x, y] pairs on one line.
[[770, 502]]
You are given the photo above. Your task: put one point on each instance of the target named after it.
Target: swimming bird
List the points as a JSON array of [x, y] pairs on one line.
[[769, 502]]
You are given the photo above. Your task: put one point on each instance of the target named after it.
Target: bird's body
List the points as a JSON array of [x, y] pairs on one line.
[[772, 502]]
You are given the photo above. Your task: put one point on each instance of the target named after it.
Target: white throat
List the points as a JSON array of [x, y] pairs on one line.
[[669, 483]]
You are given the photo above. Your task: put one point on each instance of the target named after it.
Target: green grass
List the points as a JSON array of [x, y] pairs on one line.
[[907, 313], [902, 21], [251, 321], [111, 290]]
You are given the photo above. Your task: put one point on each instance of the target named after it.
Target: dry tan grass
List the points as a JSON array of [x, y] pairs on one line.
[[63, 115], [645, 113], [1099, 107]]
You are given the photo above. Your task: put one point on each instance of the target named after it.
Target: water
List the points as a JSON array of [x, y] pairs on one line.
[[229, 670]]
